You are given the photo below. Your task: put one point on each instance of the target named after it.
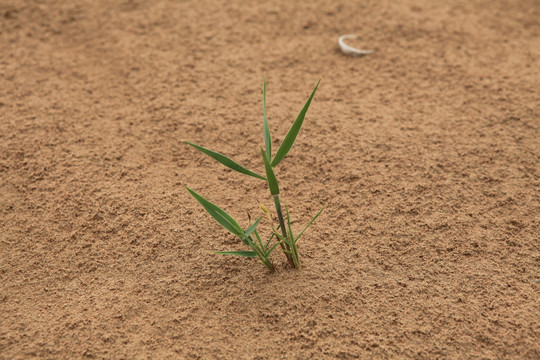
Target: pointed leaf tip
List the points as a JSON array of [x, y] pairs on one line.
[[289, 139], [226, 161], [309, 224], [266, 128], [219, 215]]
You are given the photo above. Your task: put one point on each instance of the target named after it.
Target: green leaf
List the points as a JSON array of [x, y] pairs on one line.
[[219, 215], [237, 253], [311, 222], [260, 241], [271, 249], [226, 161], [272, 181], [293, 131], [267, 137], [289, 222], [252, 228], [281, 238], [271, 237]]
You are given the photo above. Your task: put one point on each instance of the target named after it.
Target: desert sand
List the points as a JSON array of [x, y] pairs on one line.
[[426, 152]]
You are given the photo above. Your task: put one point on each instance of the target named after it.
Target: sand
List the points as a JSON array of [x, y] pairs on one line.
[[426, 153]]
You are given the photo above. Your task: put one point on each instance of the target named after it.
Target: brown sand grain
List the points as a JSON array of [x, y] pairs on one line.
[[427, 153]]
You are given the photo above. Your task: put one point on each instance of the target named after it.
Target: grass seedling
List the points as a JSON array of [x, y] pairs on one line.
[[283, 233], [258, 250]]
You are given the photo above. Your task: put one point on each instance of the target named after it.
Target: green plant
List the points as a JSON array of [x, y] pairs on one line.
[[286, 239]]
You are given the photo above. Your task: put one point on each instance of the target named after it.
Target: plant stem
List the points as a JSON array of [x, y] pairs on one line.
[[283, 230], [260, 253], [295, 255], [269, 265]]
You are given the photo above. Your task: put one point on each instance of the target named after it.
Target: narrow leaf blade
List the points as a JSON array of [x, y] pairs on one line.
[[268, 252], [219, 214], [289, 222], [267, 137], [293, 131], [259, 240], [237, 253], [271, 237], [270, 176], [226, 161], [252, 228], [308, 225]]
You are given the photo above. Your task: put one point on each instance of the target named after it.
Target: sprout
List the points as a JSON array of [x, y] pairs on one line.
[[285, 239]]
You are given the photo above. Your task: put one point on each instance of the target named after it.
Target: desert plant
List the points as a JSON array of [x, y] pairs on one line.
[[286, 240]]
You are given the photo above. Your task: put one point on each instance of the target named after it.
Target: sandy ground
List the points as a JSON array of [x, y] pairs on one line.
[[427, 153]]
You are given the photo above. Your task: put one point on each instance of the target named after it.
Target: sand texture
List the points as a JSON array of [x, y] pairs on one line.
[[426, 152]]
